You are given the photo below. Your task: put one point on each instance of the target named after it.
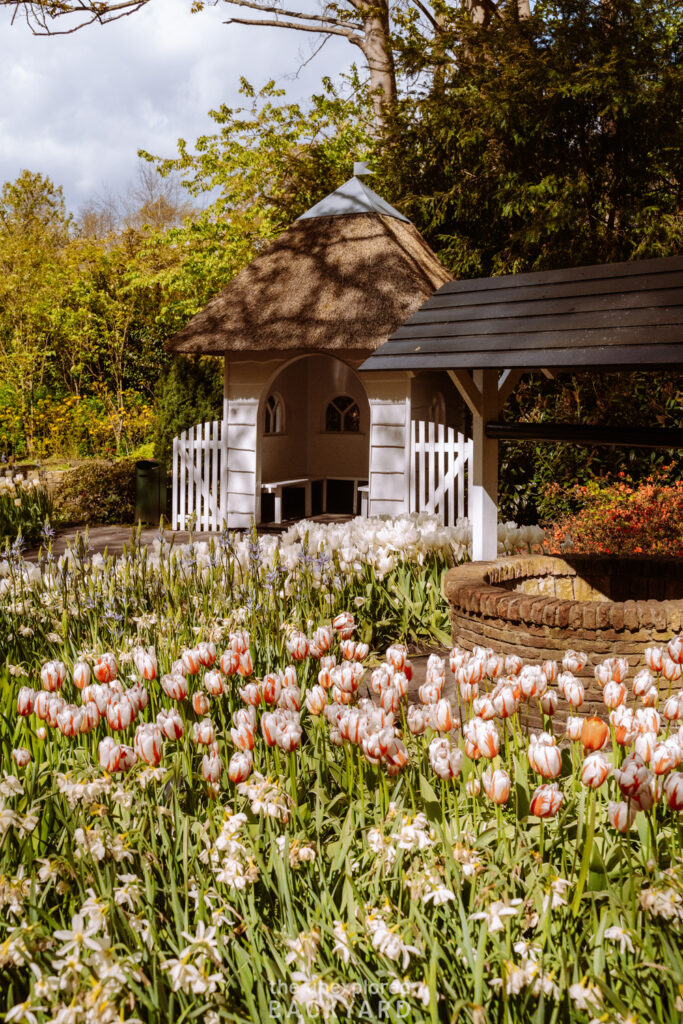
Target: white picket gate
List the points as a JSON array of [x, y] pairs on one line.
[[440, 480], [200, 477]]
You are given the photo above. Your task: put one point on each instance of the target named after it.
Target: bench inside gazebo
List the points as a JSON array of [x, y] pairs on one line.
[[486, 333]]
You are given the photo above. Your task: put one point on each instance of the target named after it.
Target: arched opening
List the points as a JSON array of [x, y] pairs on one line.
[[319, 459]]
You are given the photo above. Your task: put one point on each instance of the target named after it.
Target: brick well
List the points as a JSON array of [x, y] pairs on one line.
[[540, 606]]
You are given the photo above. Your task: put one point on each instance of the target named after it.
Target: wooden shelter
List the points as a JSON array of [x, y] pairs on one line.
[[486, 333], [301, 431]]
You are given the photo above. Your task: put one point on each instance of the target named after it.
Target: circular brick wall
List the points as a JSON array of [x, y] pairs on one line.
[[540, 606]]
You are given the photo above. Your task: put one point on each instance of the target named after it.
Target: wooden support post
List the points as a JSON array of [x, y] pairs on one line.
[[484, 511], [484, 392], [223, 449]]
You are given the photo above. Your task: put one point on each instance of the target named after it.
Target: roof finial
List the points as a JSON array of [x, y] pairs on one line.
[[361, 167]]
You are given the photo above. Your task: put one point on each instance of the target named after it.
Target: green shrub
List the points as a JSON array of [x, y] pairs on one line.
[[537, 479], [97, 491], [191, 392]]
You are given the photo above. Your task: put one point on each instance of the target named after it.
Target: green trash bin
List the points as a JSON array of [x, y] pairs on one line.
[[150, 491]]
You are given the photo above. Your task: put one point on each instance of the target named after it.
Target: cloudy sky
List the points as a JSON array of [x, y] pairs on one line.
[[78, 107]]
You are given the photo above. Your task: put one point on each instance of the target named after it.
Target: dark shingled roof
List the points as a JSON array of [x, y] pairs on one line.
[[611, 317], [327, 284]]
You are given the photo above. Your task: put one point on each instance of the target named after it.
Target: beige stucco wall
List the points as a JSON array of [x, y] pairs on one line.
[[424, 384], [305, 448]]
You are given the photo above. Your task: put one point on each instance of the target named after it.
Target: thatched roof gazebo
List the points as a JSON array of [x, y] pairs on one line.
[[293, 327], [341, 279]]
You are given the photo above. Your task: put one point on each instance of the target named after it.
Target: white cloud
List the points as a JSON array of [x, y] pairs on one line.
[[78, 107]]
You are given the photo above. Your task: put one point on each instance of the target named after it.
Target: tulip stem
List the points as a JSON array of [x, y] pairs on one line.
[[501, 830], [587, 850]]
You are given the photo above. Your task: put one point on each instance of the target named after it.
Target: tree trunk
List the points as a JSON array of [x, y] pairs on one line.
[[376, 47], [478, 11]]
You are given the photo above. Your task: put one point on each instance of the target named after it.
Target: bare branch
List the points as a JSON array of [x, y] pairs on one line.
[[272, 9], [294, 75], [40, 16], [331, 30], [427, 13]]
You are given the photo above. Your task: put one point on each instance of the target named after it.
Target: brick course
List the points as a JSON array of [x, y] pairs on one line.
[[524, 605]]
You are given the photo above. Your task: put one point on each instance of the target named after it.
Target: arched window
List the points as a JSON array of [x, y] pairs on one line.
[[437, 408], [342, 416], [275, 414]]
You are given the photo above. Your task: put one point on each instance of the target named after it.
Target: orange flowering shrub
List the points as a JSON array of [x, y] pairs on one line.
[[623, 519]]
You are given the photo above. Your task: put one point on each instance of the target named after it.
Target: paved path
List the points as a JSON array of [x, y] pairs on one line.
[[109, 538], [113, 538]]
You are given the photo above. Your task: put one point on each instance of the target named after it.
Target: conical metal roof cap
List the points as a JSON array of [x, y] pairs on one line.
[[352, 197]]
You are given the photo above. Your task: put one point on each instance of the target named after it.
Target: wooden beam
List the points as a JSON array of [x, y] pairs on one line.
[[569, 433], [468, 390], [549, 374], [507, 382]]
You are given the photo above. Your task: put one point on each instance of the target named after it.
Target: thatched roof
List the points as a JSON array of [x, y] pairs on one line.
[[330, 283]]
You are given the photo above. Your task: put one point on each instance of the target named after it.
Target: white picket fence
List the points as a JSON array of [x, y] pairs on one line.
[[440, 471], [200, 477], [440, 479]]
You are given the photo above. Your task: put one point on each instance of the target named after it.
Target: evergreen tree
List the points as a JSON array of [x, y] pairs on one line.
[[549, 141]]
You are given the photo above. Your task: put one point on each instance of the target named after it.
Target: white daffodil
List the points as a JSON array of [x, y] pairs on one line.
[[388, 942], [342, 947], [24, 1013], [75, 938], [666, 903], [304, 948], [320, 998], [203, 941], [416, 990], [619, 934], [585, 997], [496, 912]]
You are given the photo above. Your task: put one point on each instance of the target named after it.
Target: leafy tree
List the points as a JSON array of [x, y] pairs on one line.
[[552, 140], [190, 392], [150, 204], [543, 143], [34, 206], [268, 163], [34, 231], [539, 481]]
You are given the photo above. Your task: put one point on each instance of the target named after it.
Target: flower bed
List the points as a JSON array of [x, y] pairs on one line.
[[24, 506], [212, 810]]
